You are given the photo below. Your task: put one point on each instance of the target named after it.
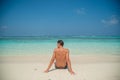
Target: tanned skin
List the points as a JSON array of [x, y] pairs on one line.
[[61, 55]]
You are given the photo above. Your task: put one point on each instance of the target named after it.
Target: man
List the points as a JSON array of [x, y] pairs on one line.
[[61, 55]]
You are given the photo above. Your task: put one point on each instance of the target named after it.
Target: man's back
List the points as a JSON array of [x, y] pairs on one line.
[[60, 56]]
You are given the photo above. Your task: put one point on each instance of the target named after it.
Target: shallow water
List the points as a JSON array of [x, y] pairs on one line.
[[46, 44]]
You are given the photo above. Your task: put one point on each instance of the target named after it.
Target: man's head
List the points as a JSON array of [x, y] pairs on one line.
[[60, 43]]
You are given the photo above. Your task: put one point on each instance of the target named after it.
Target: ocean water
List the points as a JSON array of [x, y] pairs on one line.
[[77, 45]]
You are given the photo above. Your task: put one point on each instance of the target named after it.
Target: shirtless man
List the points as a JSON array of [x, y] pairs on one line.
[[61, 55]]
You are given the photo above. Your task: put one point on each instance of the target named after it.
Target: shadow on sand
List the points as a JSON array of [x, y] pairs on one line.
[[52, 70]]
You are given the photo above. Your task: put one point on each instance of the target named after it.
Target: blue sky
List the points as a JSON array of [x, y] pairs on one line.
[[59, 17]]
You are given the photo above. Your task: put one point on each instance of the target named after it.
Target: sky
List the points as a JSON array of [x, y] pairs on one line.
[[59, 17]]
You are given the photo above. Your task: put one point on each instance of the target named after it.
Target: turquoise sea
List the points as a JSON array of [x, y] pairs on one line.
[[77, 45]]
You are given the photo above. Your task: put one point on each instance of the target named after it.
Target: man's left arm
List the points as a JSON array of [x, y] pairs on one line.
[[51, 62]]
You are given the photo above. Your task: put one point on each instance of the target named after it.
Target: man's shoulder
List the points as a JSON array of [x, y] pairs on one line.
[[66, 49]]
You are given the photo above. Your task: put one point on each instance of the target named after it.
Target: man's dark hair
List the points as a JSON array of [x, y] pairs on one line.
[[60, 42]]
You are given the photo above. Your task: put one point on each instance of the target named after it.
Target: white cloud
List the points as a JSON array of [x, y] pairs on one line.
[[113, 20], [3, 27], [81, 11]]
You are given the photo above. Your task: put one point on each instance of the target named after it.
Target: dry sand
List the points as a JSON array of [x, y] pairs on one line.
[[86, 67]]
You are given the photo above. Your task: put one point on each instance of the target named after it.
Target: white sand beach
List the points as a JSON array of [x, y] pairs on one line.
[[86, 67]]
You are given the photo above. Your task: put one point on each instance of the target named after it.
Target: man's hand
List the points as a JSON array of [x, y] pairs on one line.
[[46, 71], [72, 72]]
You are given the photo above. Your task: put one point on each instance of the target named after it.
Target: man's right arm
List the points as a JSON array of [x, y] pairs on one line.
[[69, 62]]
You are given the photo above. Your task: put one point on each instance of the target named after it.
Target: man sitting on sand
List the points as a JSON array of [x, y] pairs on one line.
[[61, 55]]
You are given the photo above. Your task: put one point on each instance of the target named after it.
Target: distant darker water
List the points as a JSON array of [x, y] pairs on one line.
[[45, 45]]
